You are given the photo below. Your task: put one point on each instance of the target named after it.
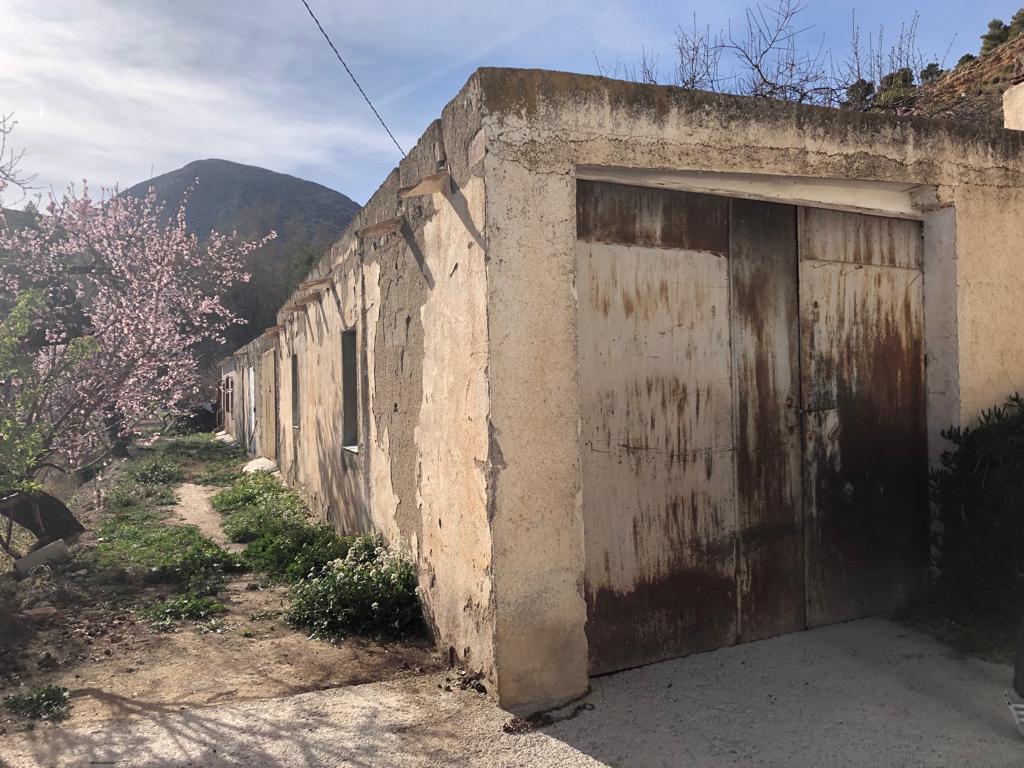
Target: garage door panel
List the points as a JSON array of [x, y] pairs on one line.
[[864, 437], [763, 275], [855, 238], [656, 453]]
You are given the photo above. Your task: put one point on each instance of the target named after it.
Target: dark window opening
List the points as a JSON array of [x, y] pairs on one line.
[[349, 391], [295, 391]]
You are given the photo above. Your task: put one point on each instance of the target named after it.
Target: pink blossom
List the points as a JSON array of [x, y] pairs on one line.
[[130, 294]]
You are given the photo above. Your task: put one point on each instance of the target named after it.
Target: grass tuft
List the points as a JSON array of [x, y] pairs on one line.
[[163, 615], [49, 702]]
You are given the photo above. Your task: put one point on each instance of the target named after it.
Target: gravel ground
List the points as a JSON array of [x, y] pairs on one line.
[[868, 693]]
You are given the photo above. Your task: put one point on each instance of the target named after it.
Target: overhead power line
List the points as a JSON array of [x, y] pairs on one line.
[[370, 103]]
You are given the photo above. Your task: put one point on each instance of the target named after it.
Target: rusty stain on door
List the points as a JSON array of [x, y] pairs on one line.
[[862, 365], [763, 277], [752, 432], [656, 446]]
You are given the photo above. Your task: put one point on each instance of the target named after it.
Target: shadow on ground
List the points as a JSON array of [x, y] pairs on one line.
[[867, 693]]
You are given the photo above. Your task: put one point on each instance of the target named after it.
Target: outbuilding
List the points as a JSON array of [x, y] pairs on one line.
[[634, 371]]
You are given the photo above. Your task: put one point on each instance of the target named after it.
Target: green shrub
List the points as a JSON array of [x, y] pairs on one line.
[[191, 607], [47, 703], [371, 591], [978, 496]]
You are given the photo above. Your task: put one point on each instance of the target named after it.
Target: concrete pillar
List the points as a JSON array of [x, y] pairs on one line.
[[1013, 108]]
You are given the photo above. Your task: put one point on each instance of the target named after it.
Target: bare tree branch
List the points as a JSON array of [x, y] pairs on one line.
[[10, 159], [769, 54]]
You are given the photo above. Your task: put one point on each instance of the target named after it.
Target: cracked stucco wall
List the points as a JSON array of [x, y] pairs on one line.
[[417, 302]]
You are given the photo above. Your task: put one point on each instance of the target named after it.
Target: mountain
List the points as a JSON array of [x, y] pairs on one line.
[[252, 201]]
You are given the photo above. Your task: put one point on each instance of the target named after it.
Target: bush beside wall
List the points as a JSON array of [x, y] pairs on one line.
[[978, 497]]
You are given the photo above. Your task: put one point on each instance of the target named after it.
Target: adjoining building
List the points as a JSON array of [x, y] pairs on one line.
[[634, 371]]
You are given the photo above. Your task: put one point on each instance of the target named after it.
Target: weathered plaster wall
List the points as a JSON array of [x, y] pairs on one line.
[[416, 299], [250, 437], [535, 496], [538, 128], [989, 234]]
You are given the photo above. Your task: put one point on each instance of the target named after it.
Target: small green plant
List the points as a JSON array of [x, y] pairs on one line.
[[257, 489], [272, 520], [371, 591], [213, 626], [295, 550], [49, 702], [249, 523], [191, 607], [158, 470]]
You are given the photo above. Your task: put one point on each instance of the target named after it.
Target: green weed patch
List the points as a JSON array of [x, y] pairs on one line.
[[272, 520], [49, 702], [136, 537], [180, 608], [206, 461]]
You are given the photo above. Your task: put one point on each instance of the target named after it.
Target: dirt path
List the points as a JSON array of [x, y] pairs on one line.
[[193, 508], [116, 666], [867, 694]]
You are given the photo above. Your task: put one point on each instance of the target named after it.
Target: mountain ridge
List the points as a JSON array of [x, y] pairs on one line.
[[251, 201]]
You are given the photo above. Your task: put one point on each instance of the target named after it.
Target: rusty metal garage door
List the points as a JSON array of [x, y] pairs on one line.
[[656, 440], [865, 454], [752, 423]]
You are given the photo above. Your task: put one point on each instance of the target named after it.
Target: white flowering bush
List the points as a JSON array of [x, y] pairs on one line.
[[370, 591]]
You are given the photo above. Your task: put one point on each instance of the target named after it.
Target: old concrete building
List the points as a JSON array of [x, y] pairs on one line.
[[634, 371]]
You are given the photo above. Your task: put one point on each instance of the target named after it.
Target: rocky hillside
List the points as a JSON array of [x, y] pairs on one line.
[[228, 197], [973, 92]]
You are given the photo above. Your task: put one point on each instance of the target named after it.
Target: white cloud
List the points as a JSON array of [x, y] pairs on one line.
[[92, 100], [105, 89]]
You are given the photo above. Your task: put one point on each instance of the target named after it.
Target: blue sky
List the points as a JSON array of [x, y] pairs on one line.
[[107, 90]]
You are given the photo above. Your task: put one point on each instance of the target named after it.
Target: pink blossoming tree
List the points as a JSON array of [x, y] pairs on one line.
[[102, 306]]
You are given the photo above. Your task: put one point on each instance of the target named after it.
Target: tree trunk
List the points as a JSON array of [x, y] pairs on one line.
[[113, 422]]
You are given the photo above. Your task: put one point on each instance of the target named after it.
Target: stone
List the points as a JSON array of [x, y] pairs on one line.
[[54, 552], [260, 465]]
